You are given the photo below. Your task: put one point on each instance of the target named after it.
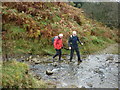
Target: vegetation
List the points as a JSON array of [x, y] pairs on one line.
[[16, 75], [105, 12], [28, 27]]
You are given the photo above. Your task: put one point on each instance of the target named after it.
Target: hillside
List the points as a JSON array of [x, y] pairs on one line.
[[29, 28]]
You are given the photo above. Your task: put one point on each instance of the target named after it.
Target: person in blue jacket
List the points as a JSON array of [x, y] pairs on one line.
[[73, 46]]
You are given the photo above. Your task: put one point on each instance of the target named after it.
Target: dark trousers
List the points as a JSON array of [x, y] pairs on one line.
[[58, 52], [72, 52]]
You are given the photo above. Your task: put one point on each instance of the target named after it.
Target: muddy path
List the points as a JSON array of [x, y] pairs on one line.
[[111, 49], [99, 70]]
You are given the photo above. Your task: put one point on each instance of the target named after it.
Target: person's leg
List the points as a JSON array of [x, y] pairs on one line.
[[71, 54], [60, 53], [57, 52], [78, 54]]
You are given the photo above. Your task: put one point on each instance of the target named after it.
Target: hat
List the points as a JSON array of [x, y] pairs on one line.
[[61, 35], [74, 32]]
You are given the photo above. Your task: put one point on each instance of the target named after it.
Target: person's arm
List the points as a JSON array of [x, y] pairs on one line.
[[79, 41], [62, 43], [69, 41]]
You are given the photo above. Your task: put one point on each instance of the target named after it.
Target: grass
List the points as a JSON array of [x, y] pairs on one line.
[[0, 74], [51, 21], [15, 75], [91, 45], [20, 30]]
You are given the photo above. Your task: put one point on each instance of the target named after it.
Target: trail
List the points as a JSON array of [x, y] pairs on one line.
[[111, 49], [99, 70]]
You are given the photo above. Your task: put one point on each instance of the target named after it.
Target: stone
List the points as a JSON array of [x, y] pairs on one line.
[[27, 59], [81, 87], [30, 57], [89, 84], [55, 64], [49, 72], [38, 56]]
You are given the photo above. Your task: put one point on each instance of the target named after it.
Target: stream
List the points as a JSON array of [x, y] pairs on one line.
[[96, 71], [99, 70]]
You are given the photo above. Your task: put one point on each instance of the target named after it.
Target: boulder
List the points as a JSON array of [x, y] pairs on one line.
[[35, 60], [49, 72], [30, 57], [55, 64], [89, 84]]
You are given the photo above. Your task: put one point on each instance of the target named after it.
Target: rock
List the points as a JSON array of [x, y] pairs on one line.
[[72, 86], [110, 58], [22, 60], [117, 62], [22, 57], [89, 84], [33, 69], [49, 72], [38, 77], [55, 64], [27, 59], [81, 87], [56, 69], [51, 84], [98, 58], [82, 11], [38, 56], [36, 60], [54, 77], [30, 57]]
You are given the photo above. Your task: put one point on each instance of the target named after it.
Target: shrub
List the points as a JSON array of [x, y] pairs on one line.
[[15, 75], [96, 40]]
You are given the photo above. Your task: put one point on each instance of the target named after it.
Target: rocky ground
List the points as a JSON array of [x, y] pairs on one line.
[[99, 70]]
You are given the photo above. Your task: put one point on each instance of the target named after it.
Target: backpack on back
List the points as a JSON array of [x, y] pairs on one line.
[[53, 39]]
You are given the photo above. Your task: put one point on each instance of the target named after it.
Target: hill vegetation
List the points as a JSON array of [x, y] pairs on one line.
[[28, 27], [15, 75], [105, 12]]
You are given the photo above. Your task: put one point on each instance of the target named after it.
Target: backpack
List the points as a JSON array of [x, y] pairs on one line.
[[54, 39]]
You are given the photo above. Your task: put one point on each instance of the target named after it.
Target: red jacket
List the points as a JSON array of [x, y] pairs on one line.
[[58, 43]]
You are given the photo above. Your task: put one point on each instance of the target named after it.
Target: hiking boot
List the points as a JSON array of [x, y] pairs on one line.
[[70, 60], [53, 59], [59, 61], [79, 62]]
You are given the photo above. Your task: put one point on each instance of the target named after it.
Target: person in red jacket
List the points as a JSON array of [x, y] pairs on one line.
[[58, 46]]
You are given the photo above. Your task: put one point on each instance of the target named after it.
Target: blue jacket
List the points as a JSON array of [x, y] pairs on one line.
[[73, 41]]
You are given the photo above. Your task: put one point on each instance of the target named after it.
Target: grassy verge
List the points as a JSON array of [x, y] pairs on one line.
[[22, 46], [15, 75], [0, 74]]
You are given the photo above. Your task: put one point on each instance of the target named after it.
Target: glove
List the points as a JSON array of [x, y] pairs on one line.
[[69, 47], [81, 43]]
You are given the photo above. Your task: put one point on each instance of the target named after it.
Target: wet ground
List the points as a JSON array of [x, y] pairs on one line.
[[99, 70], [96, 71]]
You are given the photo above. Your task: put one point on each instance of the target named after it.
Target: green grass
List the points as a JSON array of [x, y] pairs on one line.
[[97, 41], [14, 75], [19, 41], [94, 44], [28, 46], [41, 48], [0, 74], [50, 50]]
